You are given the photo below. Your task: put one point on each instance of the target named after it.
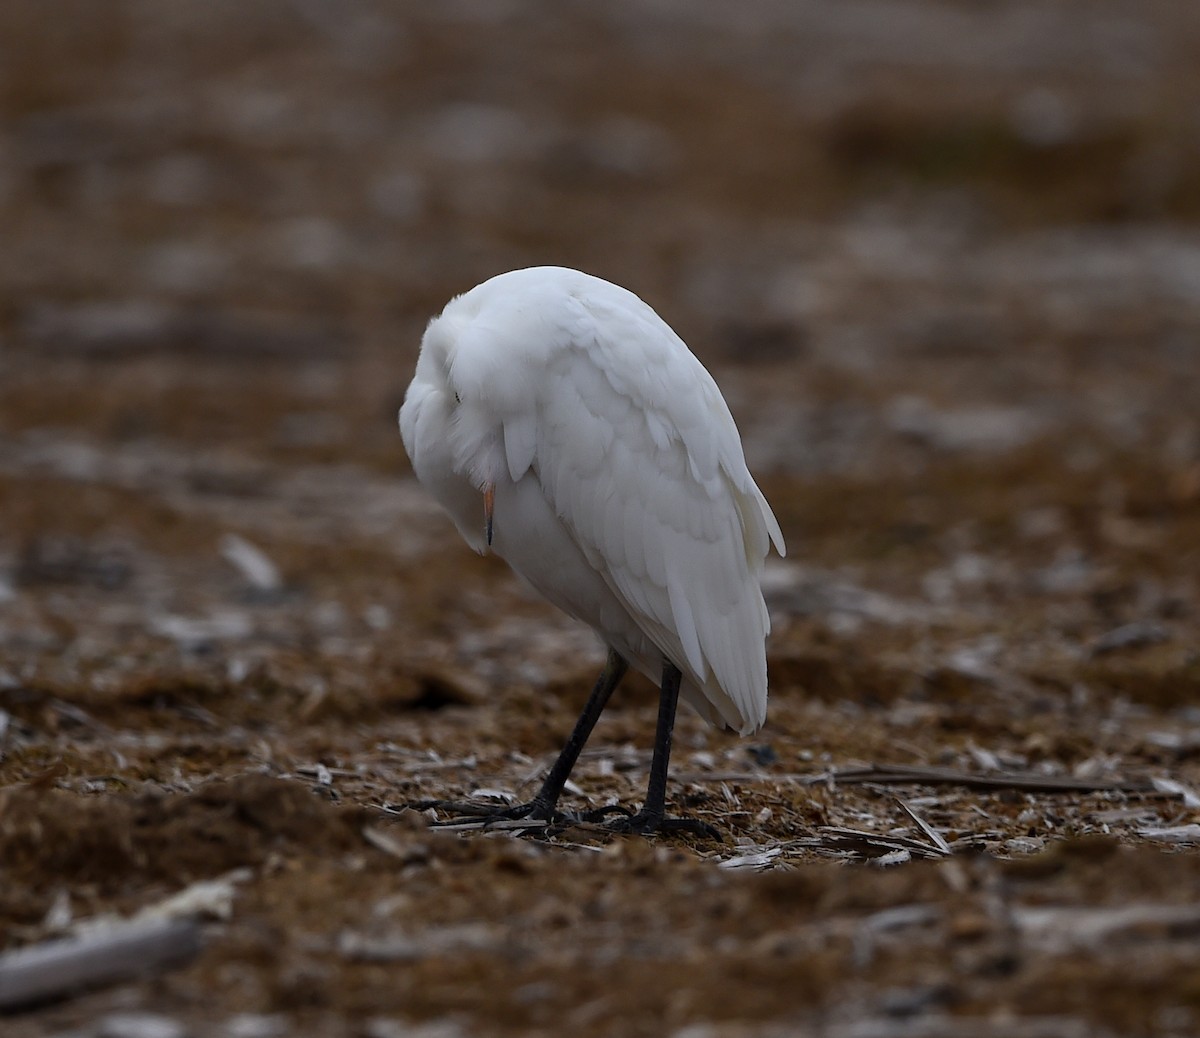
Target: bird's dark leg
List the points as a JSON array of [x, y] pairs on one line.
[[654, 808], [544, 805], [653, 815], [547, 797]]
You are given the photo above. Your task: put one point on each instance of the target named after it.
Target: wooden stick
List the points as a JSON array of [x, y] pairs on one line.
[[932, 776], [917, 774], [54, 969]]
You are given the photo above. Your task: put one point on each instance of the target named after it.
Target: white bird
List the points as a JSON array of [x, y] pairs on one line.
[[564, 426]]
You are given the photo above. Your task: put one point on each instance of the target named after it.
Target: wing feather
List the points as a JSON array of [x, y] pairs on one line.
[[649, 477], [685, 626], [520, 443]]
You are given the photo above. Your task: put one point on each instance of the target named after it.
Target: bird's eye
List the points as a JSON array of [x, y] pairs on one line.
[[457, 399]]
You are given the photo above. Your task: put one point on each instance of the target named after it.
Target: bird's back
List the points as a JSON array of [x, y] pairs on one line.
[[621, 488]]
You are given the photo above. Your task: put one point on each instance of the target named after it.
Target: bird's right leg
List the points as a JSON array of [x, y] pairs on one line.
[[544, 806]]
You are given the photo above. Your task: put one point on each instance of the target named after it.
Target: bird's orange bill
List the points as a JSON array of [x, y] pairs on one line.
[[489, 500]]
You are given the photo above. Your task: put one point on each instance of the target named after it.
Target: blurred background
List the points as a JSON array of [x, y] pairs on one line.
[[917, 241], [296, 186], [943, 257]]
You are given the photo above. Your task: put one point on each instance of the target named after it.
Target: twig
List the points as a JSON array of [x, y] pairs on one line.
[[916, 774], [931, 776], [491, 824], [935, 837], [835, 835]]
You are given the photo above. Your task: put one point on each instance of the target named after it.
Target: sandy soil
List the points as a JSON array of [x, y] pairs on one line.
[[944, 260]]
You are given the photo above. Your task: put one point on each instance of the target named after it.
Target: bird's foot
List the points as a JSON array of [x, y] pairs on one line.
[[645, 822]]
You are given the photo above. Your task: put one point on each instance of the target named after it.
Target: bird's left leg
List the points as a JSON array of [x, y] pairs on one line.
[[544, 806], [653, 815]]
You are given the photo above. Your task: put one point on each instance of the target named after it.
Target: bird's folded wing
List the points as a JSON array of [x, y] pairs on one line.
[[639, 457]]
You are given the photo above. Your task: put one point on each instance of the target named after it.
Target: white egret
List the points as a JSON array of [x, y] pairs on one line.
[[563, 425]]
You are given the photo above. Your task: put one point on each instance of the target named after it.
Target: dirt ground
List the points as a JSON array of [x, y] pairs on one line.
[[944, 260]]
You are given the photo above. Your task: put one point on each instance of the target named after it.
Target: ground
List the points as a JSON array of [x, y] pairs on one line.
[[943, 260]]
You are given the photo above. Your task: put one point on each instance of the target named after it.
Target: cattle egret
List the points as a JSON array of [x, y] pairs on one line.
[[564, 426]]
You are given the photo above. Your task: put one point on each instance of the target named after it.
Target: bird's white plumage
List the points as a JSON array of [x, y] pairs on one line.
[[621, 489]]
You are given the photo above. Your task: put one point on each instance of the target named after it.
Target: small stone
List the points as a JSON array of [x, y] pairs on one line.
[[1136, 635], [140, 1025], [255, 1025]]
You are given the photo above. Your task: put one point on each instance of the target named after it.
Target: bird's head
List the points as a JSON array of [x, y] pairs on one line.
[[456, 399]]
